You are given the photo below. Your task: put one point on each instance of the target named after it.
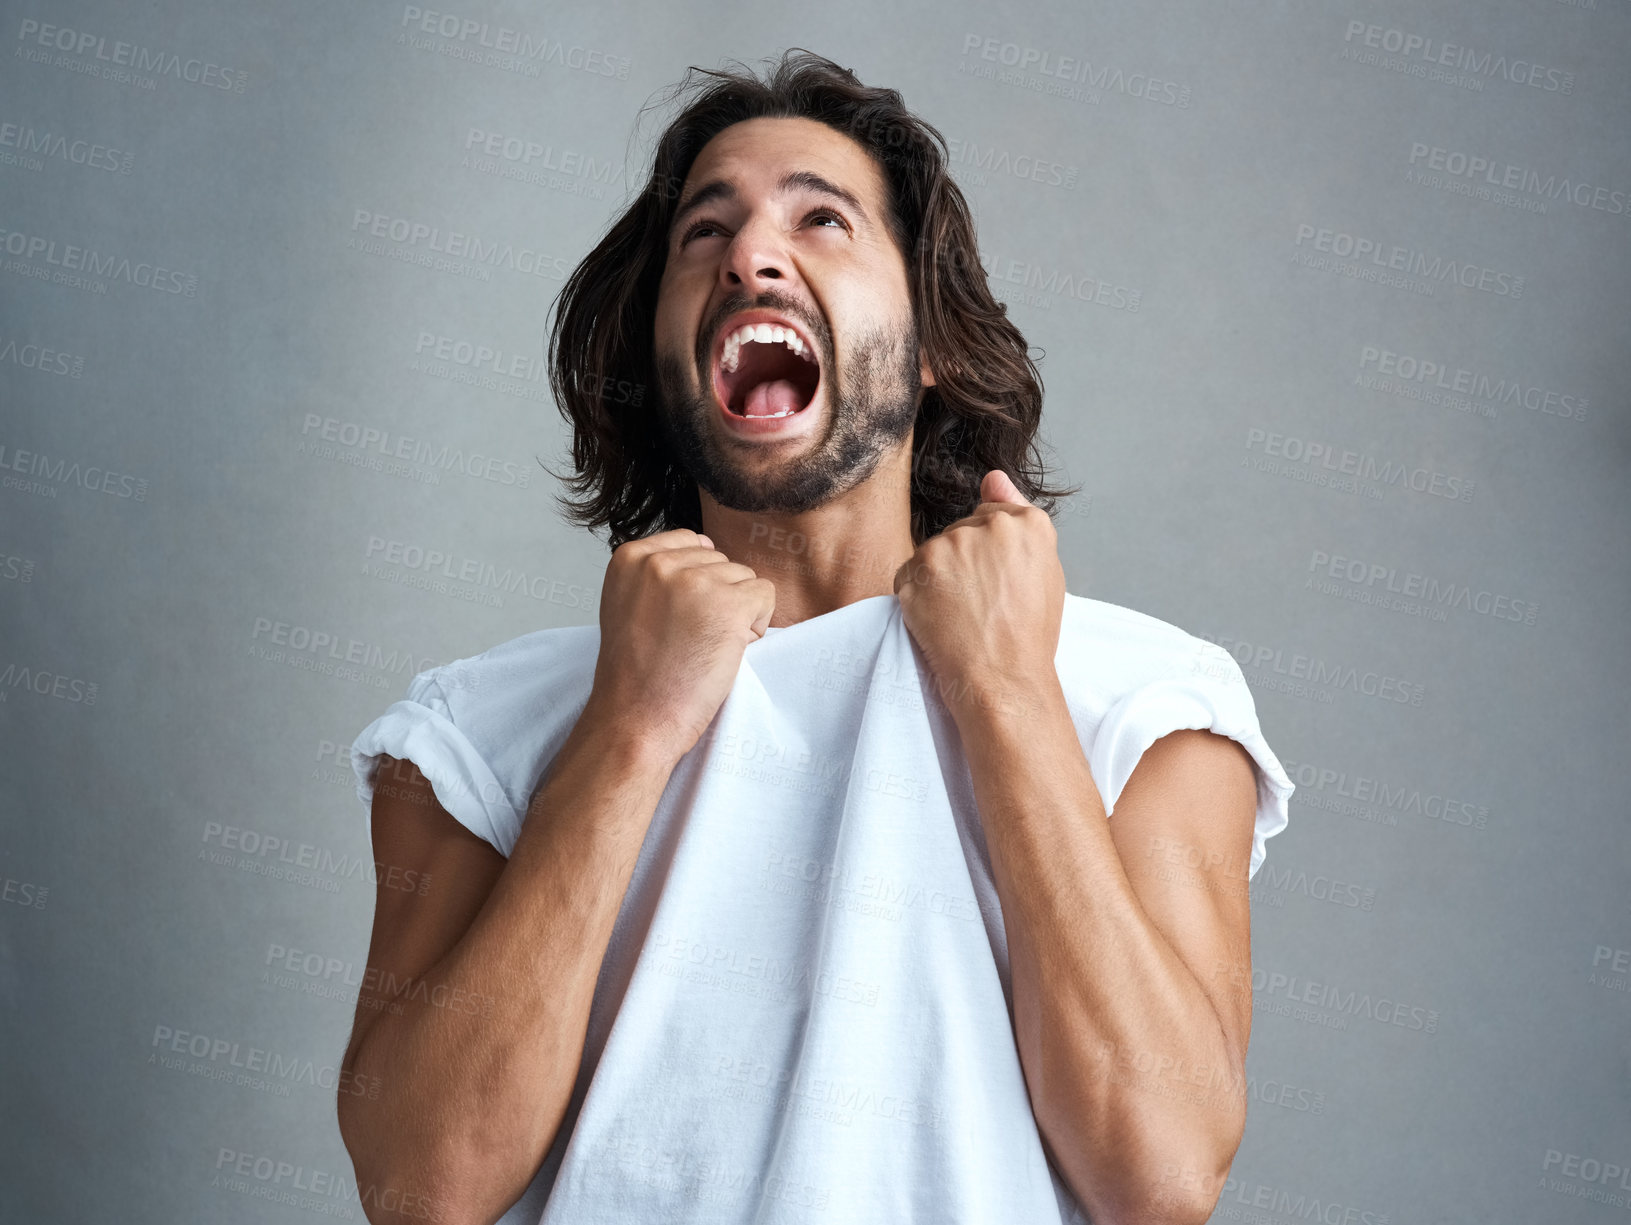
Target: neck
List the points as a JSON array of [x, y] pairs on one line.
[[845, 550]]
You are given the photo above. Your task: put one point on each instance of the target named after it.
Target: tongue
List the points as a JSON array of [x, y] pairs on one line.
[[767, 399]]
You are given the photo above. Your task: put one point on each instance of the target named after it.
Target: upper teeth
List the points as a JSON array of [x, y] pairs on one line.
[[760, 333]]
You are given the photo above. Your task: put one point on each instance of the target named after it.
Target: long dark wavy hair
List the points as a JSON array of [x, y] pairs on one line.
[[982, 412]]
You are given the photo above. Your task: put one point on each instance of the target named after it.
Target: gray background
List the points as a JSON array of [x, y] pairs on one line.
[[168, 505]]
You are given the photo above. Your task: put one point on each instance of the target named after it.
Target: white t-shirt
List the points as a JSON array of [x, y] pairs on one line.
[[804, 1010]]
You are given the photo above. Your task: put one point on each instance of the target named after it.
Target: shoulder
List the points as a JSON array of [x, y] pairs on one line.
[[483, 727], [1133, 680], [1109, 650], [547, 665]]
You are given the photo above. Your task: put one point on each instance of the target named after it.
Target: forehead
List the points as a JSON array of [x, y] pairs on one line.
[[755, 153]]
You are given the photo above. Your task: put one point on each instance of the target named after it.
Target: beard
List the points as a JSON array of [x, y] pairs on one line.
[[871, 407]]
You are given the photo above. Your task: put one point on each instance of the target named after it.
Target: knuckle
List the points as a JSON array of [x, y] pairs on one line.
[[693, 578]]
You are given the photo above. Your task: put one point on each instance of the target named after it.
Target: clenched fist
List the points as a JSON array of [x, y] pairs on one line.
[[676, 615], [984, 600]]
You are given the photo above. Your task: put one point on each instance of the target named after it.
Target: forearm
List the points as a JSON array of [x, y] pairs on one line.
[[470, 1099], [1128, 1068]]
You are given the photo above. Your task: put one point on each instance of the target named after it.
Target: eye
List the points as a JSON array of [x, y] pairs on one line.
[[697, 228], [693, 229]]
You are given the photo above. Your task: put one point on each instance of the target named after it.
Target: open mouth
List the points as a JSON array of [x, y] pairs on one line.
[[765, 370]]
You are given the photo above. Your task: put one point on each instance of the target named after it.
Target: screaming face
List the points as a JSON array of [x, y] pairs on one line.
[[786, 356]]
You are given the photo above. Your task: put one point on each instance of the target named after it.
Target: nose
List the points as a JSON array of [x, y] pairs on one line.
[[756, 257]]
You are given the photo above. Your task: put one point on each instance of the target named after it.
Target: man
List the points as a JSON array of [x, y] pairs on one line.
[[791, 893]]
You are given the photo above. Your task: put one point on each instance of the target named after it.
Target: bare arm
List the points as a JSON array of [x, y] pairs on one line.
[[471, 1025], [471, 1022], [1132, 1044], [1133, 1048]]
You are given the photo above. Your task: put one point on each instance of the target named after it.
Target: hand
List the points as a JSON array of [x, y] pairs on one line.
[[676, 615], [984, 600]]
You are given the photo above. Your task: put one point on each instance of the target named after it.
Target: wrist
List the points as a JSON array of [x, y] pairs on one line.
[[999, 700], [630, 740]]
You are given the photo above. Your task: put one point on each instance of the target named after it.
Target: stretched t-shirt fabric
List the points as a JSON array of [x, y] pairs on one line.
[[804, 1012]]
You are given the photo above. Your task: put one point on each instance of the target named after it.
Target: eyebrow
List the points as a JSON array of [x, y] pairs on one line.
[[793, 180]]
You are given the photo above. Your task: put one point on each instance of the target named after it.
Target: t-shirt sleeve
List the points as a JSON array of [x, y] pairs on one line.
[[420, 728], [1214, 697]]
